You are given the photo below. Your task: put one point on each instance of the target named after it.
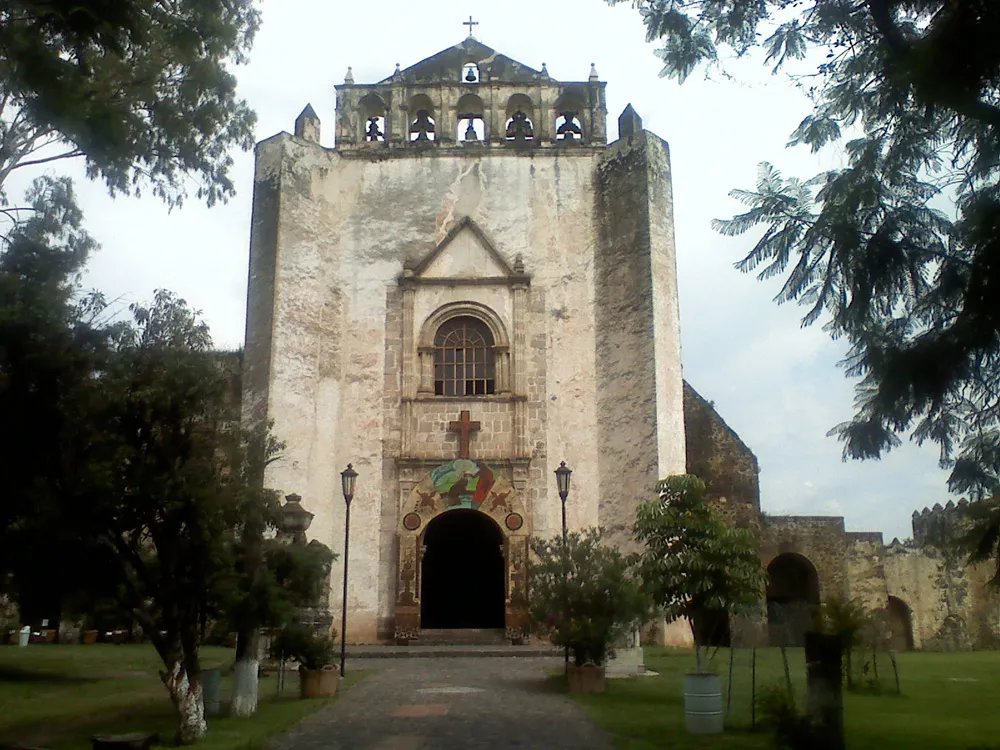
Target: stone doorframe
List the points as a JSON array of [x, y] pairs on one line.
[[421, 503]]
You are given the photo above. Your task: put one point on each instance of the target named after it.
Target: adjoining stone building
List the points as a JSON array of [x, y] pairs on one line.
[[471, 286]]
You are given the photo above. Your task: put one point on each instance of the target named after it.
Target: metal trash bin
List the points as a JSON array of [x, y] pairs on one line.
[[211, 688], [24, 636]]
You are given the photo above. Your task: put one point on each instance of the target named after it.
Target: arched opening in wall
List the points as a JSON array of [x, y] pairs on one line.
[[372, 110], [792, 599], [900, 625], [462, 572], [464, 358], [569, 126], [520, 126], [711, 628], [470, 73], [471, 123], [423, 127]]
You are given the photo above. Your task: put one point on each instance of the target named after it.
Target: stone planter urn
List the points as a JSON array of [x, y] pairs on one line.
[[318, 683], [90, 637], [586, 679]]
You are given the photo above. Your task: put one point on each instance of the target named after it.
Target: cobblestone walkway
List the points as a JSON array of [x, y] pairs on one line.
[[448, 704]]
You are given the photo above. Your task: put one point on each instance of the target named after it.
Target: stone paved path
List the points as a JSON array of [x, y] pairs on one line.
[[449, 704]]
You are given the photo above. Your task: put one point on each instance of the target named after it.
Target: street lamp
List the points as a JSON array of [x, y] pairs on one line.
[[563, 473], [347, 479]]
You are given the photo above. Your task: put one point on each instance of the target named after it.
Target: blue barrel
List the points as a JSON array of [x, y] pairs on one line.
[[703, 703]]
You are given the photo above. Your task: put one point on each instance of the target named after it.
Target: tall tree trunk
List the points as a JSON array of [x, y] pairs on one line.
[[186, 693], [244, 699]]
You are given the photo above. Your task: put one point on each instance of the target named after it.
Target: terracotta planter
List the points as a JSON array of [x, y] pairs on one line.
[[586, 679], [318, 683], [90, 637]]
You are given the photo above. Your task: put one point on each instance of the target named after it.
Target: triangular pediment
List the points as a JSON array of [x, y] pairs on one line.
[[466, 253], [446, 65]]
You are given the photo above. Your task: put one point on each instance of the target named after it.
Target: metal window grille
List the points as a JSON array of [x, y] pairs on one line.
[[464, 359]]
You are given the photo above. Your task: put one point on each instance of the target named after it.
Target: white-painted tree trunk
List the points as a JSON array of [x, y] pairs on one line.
[[189, 702], [245, 671], [244, 701]]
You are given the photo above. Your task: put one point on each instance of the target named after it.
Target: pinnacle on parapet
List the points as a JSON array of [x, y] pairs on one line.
[[307, 125], [349, 78], [629, 123], [545, 70], [593, 73]]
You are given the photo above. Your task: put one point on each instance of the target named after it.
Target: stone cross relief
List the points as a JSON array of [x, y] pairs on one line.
[[464, 427]]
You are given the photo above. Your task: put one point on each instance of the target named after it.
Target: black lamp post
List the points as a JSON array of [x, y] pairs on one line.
[[347, 480], [563, 473]]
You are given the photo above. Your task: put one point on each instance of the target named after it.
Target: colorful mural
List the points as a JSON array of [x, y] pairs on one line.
[[463, 483]]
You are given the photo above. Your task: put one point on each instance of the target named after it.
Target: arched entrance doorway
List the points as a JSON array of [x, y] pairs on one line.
[[462, 572], [792, 596], [900, 625]]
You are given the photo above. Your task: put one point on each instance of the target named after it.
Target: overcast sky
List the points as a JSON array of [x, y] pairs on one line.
[[776, 384]]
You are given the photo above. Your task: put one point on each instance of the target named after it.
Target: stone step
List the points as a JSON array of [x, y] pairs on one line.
[[445, 651], [463, 637]]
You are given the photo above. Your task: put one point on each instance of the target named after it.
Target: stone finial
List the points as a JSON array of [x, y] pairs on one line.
[[307, 125], [629, 123], [519, 265], [950, 505], [545, 70], [593, 73], [916, 514], [398, 72], [937, 508], [349, 78]]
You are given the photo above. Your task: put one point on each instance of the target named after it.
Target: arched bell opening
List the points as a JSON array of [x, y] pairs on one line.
[[372, 111], [792, 599], [423, 124], [520, 125], [462, 572], [471, 119], [569, 127]]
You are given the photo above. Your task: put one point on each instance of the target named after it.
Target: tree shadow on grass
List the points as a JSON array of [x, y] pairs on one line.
[[13, 674]]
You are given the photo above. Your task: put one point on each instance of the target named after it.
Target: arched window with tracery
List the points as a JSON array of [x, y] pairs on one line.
[[464, 358]]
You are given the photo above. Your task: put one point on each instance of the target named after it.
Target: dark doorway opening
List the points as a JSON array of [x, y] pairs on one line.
[[792, 599], [900, 625], [462, 574]]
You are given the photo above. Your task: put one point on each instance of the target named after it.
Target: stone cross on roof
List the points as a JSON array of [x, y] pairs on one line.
[[470, 23]]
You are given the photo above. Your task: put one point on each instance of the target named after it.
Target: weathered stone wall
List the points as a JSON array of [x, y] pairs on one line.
[[336, 313], [725, 463], [819, 539], [639, 387], [866, 576]]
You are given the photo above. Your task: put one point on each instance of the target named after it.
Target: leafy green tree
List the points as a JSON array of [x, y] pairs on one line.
[[899, 251], [138, 88], [693, 564], [583, 594]]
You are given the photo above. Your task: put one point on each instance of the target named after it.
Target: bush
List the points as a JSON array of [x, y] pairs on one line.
[[302, 644]]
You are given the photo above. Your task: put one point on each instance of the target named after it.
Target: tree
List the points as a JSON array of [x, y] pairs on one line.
[[692, 564], [911, 91], [138, 88], [583, 594]]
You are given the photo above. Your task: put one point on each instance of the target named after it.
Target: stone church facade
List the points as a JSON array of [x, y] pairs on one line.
[[469, 288], [472, 286]]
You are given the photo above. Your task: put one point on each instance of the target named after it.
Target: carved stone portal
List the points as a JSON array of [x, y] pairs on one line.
[[462, 484]]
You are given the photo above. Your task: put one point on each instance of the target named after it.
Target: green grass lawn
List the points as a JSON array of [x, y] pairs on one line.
[[949, 702], [58, 696]]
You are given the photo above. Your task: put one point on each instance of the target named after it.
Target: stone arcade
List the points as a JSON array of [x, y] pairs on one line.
[[470, 287]]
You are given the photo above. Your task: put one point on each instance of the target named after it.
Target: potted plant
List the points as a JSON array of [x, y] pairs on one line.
[[314, 653], [695, 566], [582, 595]]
